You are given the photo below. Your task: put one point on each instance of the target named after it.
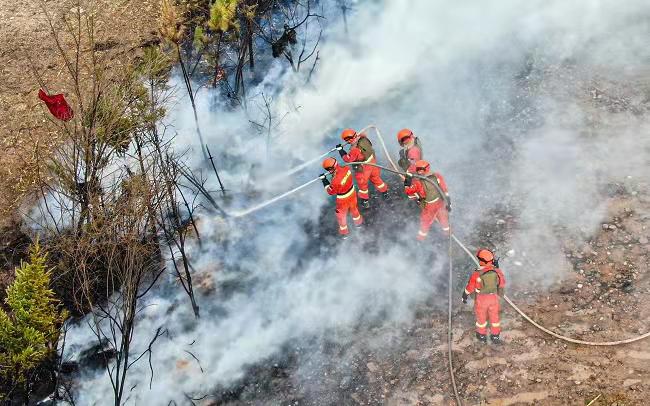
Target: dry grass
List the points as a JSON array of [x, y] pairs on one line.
[[123, 27]]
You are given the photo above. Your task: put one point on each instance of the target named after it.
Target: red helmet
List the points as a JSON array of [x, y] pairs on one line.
[[485, 255], [403, 135], [422, 165], [330, 163], [348, 134]]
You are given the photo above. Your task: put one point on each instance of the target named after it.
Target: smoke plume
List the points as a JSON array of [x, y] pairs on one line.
[[501, 95]]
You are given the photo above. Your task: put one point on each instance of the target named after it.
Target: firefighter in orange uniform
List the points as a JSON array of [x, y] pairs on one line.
[[411, 151], [432, 203], [342, 186], [486, 285], [361, 151]]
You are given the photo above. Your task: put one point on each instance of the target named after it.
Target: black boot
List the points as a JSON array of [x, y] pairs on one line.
[[482, 338], [365, 204], [344, 236], [385, 195], [496, 339]]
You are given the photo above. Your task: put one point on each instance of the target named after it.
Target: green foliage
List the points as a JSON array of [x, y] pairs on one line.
[[200, 38], [155, 66], [29, 332], [113, 123], [223, 15], [126, 108]]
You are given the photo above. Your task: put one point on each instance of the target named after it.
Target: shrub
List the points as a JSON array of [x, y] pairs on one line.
[[29, 330]]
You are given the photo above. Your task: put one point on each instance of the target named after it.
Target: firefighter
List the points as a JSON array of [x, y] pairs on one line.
[[361, 151], [411, 151], [342, 186], [486, 285], [431, 202]]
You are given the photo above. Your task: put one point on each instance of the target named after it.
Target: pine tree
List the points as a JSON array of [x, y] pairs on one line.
[[30, 330]]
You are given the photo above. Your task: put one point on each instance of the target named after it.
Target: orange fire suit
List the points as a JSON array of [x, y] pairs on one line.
[[407, 158], [486, 297], [432, 204], [346, 198], [362, 151]]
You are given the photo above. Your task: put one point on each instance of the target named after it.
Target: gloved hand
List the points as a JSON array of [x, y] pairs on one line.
[[341, 150], [324, 180], [338, 147], [408, 179], [448, 204], [464, 297]]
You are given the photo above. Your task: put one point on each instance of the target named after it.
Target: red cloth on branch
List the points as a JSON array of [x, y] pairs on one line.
[[57, 105]]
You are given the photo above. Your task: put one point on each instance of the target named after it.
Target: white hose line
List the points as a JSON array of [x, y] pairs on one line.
[[547, 331], [250, 210], [450, 355], [246, 212], [303, 165], [507, 299], [383, 144]]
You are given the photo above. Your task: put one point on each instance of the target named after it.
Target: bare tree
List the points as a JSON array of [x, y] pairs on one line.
[[112, 204]]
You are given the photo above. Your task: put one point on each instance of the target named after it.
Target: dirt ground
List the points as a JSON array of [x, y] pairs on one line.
[[121, 27], [603, 299]]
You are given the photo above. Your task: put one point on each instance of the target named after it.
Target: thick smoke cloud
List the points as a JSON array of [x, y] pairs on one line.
[[498, 93]]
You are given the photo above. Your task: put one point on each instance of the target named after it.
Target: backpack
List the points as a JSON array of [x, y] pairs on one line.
[[490, 282], [403, 160], [365, 146]]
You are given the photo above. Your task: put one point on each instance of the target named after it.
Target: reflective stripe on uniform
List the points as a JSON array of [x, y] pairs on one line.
[[369, 158], [434, 200], [477, 290], [467, 293], [445, 229], [381, 186], [343, 227], [496, 324], [363, 190], [479, 325], [345, 178], [348, 194], [356, 218], [423, 234]]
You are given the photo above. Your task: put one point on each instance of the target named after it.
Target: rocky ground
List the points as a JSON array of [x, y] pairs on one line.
[[600, 297], [601, 300]]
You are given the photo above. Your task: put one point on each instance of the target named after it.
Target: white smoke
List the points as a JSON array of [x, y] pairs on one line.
[[495, 90]]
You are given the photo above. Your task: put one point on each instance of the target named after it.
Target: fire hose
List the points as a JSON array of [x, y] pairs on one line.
[[506, 298], [451, 237], [304, 165], [547, 331], [318, 158], [250, 210]]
